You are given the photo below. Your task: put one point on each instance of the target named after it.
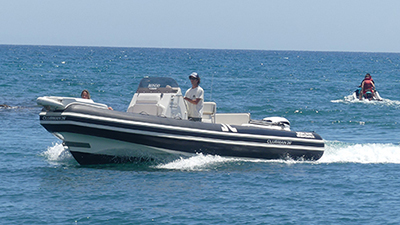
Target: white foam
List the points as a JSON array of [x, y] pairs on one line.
[[196, 163], [339, 152], [391, 103], [350, 99], [57, 153], [335, 152]]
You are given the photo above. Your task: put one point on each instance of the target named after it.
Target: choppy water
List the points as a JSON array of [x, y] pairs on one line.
[[355, 182]]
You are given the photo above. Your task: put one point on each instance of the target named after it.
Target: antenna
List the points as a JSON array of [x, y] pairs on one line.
[[212, 79]]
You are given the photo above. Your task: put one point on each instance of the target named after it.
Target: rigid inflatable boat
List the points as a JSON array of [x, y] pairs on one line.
[[156, 127]]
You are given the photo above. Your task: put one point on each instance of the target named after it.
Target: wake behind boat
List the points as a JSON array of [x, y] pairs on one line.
[[156, 127]]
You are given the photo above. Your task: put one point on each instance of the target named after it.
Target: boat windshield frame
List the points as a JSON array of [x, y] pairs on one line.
[[158, 85]]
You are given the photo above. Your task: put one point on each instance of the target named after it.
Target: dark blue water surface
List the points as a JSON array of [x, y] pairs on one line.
[[355, 182]]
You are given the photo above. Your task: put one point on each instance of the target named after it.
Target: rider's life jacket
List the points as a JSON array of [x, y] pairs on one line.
[[370, 78], [368, 85]]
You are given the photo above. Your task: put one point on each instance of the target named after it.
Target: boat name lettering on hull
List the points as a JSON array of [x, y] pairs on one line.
[[305, 135], [54, 118], [279, 142]]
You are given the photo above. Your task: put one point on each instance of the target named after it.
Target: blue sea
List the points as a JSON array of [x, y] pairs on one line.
[[357, 180]]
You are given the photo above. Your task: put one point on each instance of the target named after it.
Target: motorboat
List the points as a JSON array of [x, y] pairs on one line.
[[156, 127], [368, 95]]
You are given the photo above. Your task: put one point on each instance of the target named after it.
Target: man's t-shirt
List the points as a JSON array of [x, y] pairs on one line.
[[195, 111]]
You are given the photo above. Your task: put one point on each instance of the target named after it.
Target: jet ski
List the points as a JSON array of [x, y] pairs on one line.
[[370, 95]]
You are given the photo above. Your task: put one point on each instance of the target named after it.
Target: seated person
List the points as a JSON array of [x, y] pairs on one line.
[[86, 95], [367, 85]]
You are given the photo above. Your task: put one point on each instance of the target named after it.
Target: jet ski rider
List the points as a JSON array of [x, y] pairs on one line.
[[367, 85]]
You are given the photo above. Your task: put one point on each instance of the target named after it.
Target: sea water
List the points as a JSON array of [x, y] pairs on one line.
[[355, 182]]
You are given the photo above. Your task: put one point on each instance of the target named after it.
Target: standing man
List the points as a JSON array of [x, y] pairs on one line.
[[194, 97]]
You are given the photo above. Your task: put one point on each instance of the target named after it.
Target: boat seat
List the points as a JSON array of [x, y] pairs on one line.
[[148, 98], [147, 103], [150, 109], [209, 109], [232, 118]]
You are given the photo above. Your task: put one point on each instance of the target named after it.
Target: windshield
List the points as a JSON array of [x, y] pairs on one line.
[[158, 85]]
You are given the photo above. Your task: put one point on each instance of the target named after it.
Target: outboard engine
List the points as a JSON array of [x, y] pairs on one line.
[[277, 121]]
